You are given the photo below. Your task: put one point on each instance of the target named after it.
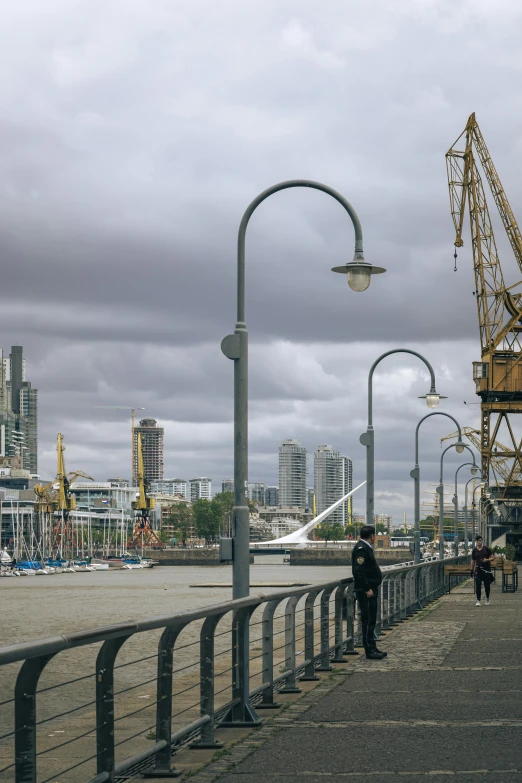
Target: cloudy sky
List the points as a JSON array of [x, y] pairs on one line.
[[133, 135]]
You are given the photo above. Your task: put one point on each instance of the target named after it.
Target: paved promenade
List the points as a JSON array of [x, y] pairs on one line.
[[446, 704]]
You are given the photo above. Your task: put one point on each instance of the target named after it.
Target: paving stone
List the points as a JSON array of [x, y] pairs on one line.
[[445, 705]]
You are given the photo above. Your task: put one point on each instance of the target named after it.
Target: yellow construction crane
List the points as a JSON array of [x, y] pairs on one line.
[[133, 413], [143, 531], [498, 376], [501, 465], [56, 498]]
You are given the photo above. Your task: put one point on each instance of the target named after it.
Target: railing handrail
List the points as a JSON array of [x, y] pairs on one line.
[[54, 644], [405, 590]]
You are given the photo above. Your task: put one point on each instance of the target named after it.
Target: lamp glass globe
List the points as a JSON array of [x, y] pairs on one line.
[[459, 447], [359, 278], [432, 400]]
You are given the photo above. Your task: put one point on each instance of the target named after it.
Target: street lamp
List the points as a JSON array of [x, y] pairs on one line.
[[473, 471], [415, 474], [483, 484], [235, 347], [440, 491], [367, 438]]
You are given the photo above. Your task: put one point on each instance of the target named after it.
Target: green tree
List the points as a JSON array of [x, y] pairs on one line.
[[181, 518], [330, 532], [338, 531], [223, 505], [207, 519]]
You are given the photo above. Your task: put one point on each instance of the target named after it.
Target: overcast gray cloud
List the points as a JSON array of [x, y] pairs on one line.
[[134, 133]]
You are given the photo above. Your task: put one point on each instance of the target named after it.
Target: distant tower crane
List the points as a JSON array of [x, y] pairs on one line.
[[498, 376], [133, 412], [143, 530]]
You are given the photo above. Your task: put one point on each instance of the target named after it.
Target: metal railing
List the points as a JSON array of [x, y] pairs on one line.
[[299, 633]]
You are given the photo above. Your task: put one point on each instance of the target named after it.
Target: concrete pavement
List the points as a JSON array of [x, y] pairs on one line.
[[446, 703]]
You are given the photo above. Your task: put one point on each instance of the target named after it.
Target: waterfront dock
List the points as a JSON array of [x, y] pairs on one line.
[[444, 705]]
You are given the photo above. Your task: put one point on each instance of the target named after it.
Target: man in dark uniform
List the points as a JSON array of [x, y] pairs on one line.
[[367, 578]]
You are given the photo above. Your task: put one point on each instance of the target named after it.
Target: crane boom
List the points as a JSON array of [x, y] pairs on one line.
[[499, 194], [498, 308], [498, 376]]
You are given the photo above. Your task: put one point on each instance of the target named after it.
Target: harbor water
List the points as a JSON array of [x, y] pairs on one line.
[[34, 607], [39, 606]]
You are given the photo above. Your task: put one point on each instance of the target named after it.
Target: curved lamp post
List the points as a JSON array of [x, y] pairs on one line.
[[415, 474], [235, 347], [474, 471], [481, 486], [367, 438], [482, 483], [440, 491]]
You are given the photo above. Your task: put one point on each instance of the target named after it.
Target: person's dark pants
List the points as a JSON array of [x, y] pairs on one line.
[[482, 576], [368, 607]]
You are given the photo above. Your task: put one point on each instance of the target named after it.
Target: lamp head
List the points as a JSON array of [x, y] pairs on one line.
[[474, 470], [432, 398], [459, 447], [358, 272]]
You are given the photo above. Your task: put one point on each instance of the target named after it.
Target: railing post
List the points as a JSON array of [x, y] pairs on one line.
[[325, 631], [25, 718], [403, 595], [385, 590], [162, 760], [393, 599], [105, 705], [309, 672], [290, 685], [410, 593], [350, 621], [267, 674], [378, 619], [206, 689], [241, 714], [339, 638]]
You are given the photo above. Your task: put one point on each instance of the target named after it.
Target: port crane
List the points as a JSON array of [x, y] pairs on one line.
[[498, 375], [56, 500], [143, 531]]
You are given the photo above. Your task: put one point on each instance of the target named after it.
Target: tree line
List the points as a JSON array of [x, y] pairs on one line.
[[208, 518]]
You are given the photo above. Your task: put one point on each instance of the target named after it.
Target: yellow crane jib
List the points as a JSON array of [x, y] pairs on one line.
[[498, 374]]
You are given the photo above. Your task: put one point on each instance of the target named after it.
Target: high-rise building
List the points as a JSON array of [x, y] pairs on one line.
[[29, 410], [227, 485], [271, 496], [310, 493], [332, 480], [174, 486], [19, 435], [292, 474], [256, 493], [200, 488], [152, 447]]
